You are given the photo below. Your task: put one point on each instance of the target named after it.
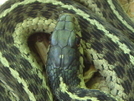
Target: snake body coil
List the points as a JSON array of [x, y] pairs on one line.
[[107, 42]]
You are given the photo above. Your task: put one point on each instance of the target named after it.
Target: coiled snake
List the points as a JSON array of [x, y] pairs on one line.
[[106, 39]]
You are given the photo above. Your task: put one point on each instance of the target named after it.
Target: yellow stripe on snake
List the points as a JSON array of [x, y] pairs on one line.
[[106, 41]]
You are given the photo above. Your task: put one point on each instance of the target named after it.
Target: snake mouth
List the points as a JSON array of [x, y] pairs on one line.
[[39, 43]]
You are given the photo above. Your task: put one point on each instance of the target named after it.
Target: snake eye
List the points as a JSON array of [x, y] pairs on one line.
[[77, 41]]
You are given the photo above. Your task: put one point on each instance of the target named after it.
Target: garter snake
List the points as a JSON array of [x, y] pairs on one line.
[[107, 42]]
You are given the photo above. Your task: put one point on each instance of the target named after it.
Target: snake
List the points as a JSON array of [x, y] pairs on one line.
[[82, 33]]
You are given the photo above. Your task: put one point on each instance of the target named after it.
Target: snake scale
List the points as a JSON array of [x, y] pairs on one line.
[[106, 38]]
